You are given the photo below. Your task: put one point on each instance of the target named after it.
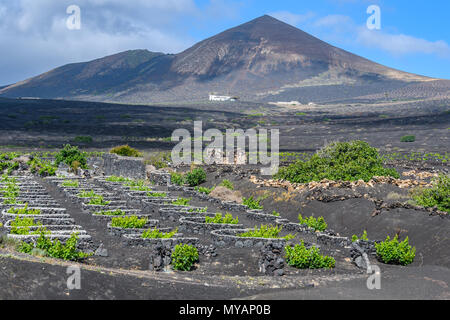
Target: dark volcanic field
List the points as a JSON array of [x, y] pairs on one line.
[[48, 124]]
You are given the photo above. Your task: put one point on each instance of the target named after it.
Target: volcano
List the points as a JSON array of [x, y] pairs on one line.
[[256, 61]]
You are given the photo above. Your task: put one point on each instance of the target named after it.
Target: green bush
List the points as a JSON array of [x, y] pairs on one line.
[[126, 151], [198, 210], [265, 231], [218, 218], [117, 212], [363, 237], [184, 256], [177, 178], [24, 210], [157, 194], [409, 138], [300, 257], [70, 184], [87, 194], [437, 196], [181, 202], [129, 222], [227, 184], [41, 167], [98, 201], [347, 161], [318, 224], [275, 213], [252, 203], [117, 179], [70, 155], [195, 177], [55, 249], [395, 252], [156, 234], [204, 190]]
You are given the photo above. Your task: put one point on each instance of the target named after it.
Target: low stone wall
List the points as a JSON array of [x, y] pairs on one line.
[[229, 238], [114, 165], [116, 231], [160, 178], [360, 252], [271, 261], [137, 240], [197, 225]]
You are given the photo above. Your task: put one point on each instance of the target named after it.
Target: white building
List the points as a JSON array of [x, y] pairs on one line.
[[215, 97]]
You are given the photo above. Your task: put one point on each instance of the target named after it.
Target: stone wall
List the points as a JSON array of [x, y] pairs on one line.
[[114, 165]]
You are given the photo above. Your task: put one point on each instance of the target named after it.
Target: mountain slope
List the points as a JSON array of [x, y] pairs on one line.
[[254, 60]]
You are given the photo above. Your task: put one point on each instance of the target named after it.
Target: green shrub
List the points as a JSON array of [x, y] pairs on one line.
[[157, 194], [87, 194], [71, 155], [140, 188], [395, 252], [204, 190], [128, 222], [55, 249], [275, 213], [252, 203], [177, 178], [218, 218], [181, 202], [195, 177], [24, 210], [363, 237], [71, 184], [184, 256], [265, 231], [98, 201], [198, 210], [156, 234], [227, 184], [117, 179], [300, 257], [126, 151], [41, 167], [117, 212], [318, 224], [409, 138], [347, 161], [21, 225], [437, 196]]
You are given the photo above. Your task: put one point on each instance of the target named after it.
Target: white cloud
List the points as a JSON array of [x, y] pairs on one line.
[[292, 18], [401, 44]]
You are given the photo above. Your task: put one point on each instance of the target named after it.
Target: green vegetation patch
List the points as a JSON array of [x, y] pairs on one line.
[[347, 161], [265, 231], [195, 177], [157, 234], [318, 224], [218, 218], [129, 222], [55, 249], [300, 257], [252, 203], [409, 138], [395, 252], [184, 256], [126, 151], [437, 196]]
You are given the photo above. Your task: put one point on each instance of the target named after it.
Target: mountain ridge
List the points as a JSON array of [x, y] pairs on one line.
[[251, 60]]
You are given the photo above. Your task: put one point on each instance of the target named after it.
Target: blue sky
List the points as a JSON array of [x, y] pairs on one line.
[[414, 35]]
